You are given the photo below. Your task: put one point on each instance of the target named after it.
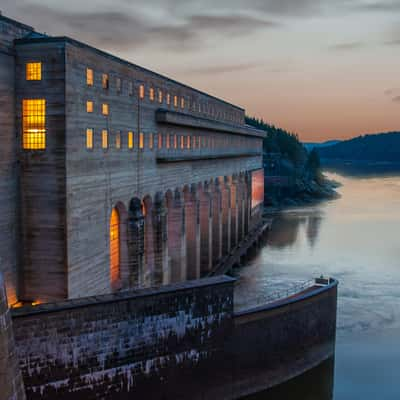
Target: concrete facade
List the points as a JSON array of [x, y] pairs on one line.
[[181, 192]]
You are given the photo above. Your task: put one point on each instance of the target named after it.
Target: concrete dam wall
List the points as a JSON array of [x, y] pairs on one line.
[[181, 341]]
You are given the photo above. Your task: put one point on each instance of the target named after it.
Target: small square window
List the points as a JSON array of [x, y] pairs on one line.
[[105, 109], [89, 138], [34, 71], [89, 106], [89, 77], [105, 81]]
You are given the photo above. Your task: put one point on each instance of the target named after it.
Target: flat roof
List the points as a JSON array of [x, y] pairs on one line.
[[51, 39]]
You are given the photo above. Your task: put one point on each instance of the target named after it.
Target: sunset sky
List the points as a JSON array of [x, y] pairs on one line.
[[324, 69]]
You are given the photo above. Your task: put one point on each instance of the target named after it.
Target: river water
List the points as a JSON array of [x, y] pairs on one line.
[[355, 239]]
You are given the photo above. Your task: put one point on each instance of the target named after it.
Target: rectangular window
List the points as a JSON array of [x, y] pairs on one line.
[[182, 102], [34, 124], [182, 142], [160, 96], [141, 91], [160, 143], [199, 142], [130, 88], [34, 71], [175, 101], [151, 94], [118, 140], [89, 138], [89, 106], [141, 140], [130, 140], [168, 141], [151, 141], [89, 77], [168, 99], [119, 85], [104, 139], [105, 81], [175, 141], [104, 109]]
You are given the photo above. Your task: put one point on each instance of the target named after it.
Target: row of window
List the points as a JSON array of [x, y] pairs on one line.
[[163, 141], [160, 96]]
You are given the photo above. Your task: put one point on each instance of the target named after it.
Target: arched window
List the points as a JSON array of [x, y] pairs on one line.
[[114, 249]]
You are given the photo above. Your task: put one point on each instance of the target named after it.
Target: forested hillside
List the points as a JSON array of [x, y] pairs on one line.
[[381, 147]]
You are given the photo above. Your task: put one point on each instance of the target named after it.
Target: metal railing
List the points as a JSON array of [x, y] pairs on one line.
[[290, 291]]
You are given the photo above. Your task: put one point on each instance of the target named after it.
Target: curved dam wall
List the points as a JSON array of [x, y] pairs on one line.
[[177, 342]]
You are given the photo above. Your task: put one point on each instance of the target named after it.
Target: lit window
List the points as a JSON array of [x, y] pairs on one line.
[[105, 81], [104, 109], [182, 102], [130, 140], [89, 106], [114, 248], [182, 142], [168, 99], [104, 139], [151, 94], [175, 141], [168, 141], [34, 71], [119, 85], [175, 101], [34, 124], [89, 138], [188, 142], [141, 91], [151, 141], [141, 140], [160, 96], [160, 141], [130, 88], [89, 77], [194, 142], [118, 140]]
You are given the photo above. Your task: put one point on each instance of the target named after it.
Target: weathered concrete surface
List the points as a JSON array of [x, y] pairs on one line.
[[177, 342]]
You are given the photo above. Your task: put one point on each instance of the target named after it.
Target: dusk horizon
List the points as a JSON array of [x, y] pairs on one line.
[[322, 69]]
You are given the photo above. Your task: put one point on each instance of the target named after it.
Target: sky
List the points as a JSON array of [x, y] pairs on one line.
[[324, 69]]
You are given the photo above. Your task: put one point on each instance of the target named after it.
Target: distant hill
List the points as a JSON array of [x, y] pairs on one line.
[[381, 147], [311, 145]]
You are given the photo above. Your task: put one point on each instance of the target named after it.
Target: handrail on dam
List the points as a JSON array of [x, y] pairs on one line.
[[291, 291]]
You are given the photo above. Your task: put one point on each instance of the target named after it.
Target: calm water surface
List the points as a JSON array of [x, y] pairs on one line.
[[355, 239]]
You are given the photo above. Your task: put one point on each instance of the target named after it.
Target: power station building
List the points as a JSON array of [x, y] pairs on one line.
[[113, 176]]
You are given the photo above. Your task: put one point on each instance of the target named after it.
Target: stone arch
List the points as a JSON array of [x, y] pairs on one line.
[[205, 200], [226, 214], [115, 247]]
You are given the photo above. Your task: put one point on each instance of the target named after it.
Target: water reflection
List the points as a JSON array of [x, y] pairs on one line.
[[316, 384], [356, 240]]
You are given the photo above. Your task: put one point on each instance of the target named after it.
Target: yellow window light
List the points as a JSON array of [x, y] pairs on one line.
[[34, 124], [104, 139], [34, 71], [89, 77], [130, 140], [89, 138], [89, 106]]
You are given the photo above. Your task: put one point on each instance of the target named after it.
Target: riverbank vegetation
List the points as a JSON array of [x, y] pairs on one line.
[[293, 175]]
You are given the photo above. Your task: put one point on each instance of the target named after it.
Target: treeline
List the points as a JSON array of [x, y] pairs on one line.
[[280, 141], [380, 147]]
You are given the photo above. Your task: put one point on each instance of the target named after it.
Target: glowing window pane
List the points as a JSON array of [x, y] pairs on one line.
[[182, 142], [168, 141], [104, 139], [151, 94], [89, 106], [114, 247], [118, 140], [89, 138], [141, 91], [105, 81], [160, 143], [168, 99], [130, 140], [175, 141], [160, 96], [104, 109], [89, 77], [188, 142], [34, 124], [141, 140], [34, 71], [151, 141], [175, 101], [182, 102]]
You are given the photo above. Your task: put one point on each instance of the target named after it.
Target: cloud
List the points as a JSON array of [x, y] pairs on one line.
[[222, 69], [386, 6], [394, 42], [396, 99], [347, 46]]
